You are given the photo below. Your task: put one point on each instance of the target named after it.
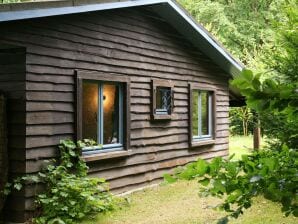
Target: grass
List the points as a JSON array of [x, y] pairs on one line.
[[240, 145], [179, 203]]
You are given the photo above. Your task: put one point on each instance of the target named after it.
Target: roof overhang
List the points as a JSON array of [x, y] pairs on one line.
[[171, 11]]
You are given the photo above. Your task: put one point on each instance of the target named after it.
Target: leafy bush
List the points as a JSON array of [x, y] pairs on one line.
[[272, 173], [69, 195], [276, 102]]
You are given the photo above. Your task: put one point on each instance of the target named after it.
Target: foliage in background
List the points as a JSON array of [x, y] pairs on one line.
[[244, 27], [276, 99], [263, 35], [241, 121], [283, 55], [69, 194], [9, 1], [260, 34], [282, 59]]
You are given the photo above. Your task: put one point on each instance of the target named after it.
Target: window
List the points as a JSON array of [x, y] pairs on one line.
[[102, 111], [162, 99], [202, 119]]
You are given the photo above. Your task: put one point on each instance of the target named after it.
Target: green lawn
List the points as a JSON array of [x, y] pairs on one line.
[[240, 145], [179, 203]]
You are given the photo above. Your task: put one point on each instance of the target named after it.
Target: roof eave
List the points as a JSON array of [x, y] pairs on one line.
[[70, 7]]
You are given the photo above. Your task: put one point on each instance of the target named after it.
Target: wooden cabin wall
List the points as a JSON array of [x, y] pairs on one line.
[[129, 42], [12, 84]]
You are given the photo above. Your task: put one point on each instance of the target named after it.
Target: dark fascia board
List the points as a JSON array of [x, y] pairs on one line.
[[171, 11]]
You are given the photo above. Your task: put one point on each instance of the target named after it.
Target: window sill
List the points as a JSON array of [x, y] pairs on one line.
[[162, 116], [202, 142], [106, 155]]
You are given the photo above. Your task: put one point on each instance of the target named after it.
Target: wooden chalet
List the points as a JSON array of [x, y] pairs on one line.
[[140, 77]]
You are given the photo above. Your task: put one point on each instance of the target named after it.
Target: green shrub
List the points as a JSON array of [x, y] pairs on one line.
[[69, 195], [271, 173]]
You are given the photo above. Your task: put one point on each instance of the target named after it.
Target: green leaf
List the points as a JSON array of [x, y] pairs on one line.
[[231, 156], [285, 93], [218, 186], [231, 168], [270, 163], [201, 167], [169, 178], [188, 174], [256, 83], [215, 165], [6, 191], [18, 186], [233, 196], [247, 74], [205, 182]]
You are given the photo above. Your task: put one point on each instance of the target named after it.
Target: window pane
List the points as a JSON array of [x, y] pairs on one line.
[[205, 113], [163, 100], [90, 110], [110, 114], [195, 114]]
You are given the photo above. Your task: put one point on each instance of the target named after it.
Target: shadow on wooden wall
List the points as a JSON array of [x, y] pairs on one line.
[[3, 151]]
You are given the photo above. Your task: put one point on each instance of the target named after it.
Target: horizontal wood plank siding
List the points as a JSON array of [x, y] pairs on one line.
[[132, 43]]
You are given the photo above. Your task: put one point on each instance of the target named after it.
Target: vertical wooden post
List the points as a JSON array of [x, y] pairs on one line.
[[257, 131]]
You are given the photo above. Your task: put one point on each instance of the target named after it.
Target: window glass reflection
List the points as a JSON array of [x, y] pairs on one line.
[[163, 100], [204, 113], [90, 110], [110, 114], [195, 113]]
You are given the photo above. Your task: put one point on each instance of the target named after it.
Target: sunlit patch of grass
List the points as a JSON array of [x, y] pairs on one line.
[[240, 145], [174, 203]]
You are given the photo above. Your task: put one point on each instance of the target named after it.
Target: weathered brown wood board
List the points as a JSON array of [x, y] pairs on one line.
[[131, 42]]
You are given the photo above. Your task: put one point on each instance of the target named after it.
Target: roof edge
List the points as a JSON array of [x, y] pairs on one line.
[[21, 11]]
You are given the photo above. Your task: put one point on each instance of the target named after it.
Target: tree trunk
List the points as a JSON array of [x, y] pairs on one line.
[[257, 132]]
